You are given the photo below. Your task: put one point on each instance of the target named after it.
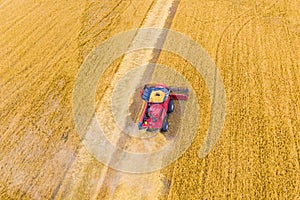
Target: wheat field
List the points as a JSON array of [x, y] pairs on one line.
[[255, 46]]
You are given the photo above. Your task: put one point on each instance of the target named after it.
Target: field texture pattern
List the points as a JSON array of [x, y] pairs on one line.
[[255, 45]]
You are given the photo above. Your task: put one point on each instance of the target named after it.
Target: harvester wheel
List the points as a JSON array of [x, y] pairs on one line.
[[165, 126], [171, 106]]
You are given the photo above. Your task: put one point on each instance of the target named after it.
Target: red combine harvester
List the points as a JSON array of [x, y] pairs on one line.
[[159, 103]]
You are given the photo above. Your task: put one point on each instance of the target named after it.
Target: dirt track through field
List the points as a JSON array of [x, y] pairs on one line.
[[158, 17], [255, 46]]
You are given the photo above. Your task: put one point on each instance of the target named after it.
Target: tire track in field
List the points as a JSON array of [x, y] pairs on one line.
[[235, 140], [250, 17], [261, 124], [230, 24], [273, 131], [112, 176], [246, 14], [253, 128]]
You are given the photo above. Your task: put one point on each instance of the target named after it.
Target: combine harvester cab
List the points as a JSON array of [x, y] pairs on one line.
[[159, 104]]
